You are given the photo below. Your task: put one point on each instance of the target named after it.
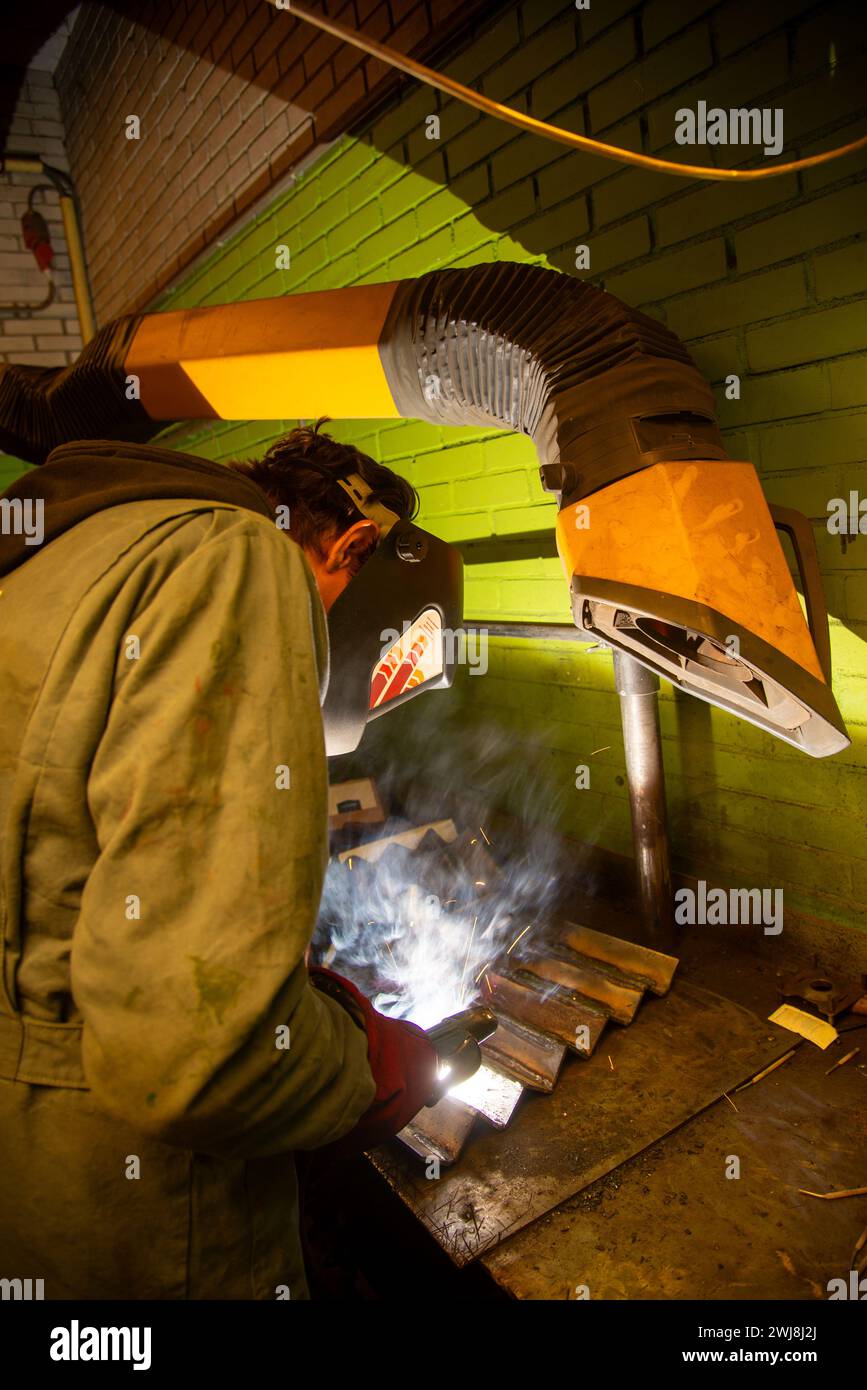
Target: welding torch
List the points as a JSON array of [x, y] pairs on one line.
[[456, 1040]]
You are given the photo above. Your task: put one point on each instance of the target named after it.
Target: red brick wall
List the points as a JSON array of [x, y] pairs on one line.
[[231, 95]]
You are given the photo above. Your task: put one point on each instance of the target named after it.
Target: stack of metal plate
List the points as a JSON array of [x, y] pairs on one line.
[[546, 1004]]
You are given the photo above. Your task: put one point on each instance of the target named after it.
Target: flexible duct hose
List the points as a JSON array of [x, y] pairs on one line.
[[599, 387]]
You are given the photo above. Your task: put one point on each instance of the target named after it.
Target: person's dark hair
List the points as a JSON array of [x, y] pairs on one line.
[[320, 509]]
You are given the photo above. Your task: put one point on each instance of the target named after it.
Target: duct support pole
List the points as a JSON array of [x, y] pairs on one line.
[[637, 688]]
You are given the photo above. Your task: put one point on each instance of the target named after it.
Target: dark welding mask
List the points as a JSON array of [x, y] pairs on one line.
[[394, 631]]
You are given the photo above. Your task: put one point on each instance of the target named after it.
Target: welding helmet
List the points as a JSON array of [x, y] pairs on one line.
[[392, 632]]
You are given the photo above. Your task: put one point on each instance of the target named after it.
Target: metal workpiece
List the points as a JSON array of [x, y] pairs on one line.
[[439, 1131], [628, 961], [523, 1052], [491, 1093], [638, 689], [547, 1007], [536, 1010], [620, 1000]]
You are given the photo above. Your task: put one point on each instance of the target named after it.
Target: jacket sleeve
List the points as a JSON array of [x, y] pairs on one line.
[[208, 794]]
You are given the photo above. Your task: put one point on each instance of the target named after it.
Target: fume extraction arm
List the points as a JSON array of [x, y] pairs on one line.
[[669, 547]]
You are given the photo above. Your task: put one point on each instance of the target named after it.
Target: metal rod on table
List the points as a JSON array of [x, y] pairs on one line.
[[637, 688]]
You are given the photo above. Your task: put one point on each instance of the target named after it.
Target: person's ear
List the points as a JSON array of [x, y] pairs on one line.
[[350, 549]]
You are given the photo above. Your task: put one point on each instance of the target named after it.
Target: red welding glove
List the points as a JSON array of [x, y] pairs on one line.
[[403, 1060]]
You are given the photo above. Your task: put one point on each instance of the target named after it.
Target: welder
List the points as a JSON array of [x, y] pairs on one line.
[[163, 826]]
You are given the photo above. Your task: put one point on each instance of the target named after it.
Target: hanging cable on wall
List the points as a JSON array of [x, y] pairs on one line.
[[552, 132], [21, 163], [37, 238]]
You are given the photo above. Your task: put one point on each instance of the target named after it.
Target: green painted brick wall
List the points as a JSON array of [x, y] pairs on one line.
[[766, 280]]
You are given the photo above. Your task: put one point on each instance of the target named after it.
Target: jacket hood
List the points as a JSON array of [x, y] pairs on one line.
[[90, 475]]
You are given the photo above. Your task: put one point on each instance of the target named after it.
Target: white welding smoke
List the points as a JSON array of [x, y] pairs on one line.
[[423, 954]]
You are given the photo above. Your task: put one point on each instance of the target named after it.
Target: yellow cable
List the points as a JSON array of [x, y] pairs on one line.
[[552, 132]]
